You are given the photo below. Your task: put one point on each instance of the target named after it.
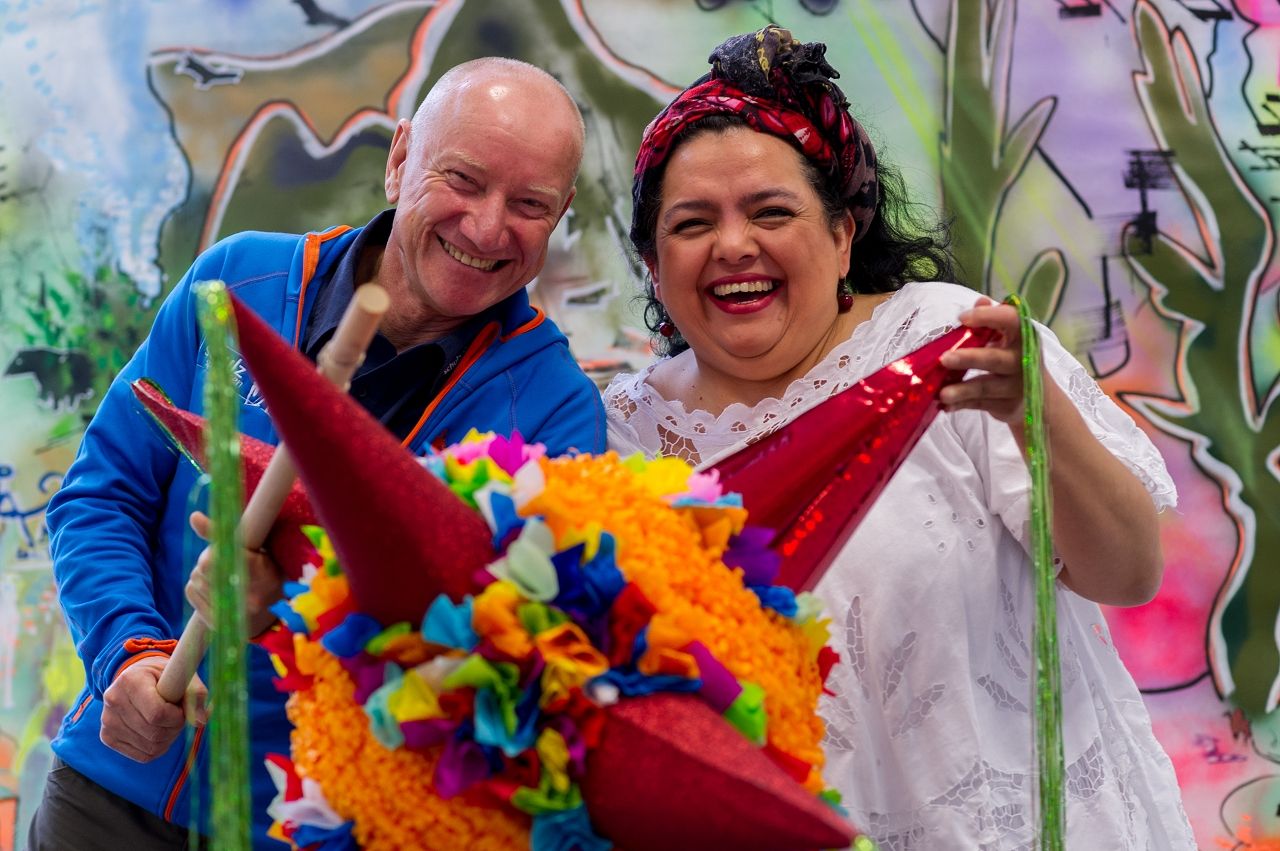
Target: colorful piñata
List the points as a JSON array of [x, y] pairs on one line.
[[617, 578]]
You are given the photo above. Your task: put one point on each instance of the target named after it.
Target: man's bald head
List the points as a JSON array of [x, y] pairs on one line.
[[495, 79]]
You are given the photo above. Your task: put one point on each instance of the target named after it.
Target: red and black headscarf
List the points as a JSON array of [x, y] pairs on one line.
[[784, 88]]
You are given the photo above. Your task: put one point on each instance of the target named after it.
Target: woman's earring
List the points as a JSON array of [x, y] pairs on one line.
[[844, 297], [666, 329]]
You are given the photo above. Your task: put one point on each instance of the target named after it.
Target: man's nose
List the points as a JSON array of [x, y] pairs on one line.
[[485, 223]]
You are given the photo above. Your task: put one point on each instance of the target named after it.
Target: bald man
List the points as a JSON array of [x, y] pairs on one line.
[[478, 179]]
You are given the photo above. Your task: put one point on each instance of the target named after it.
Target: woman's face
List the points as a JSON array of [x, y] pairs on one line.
[[747, 263]]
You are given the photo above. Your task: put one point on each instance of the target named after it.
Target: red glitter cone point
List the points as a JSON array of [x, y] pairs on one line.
[[402, 537], [286, 544], [670, 773], [814, 479]]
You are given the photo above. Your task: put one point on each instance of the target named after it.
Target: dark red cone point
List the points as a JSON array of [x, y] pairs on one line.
[[670, 773], [288, 547], [403, 538], [814, 479]]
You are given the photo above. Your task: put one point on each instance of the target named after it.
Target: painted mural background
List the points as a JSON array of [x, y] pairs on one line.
[[1116, 162]]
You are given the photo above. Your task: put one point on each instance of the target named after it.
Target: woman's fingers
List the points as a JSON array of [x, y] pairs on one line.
[[994, 359], [1000, 317], [997, 388], [999, 394]]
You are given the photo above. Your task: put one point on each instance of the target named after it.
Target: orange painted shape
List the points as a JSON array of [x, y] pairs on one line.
[[8, 822]]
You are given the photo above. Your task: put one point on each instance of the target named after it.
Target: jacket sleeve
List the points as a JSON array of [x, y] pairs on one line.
[[106, 518]]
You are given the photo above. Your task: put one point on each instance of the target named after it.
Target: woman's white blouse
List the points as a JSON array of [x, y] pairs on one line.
[[929, 732]]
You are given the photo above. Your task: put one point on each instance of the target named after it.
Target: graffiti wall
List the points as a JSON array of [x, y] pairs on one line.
[[1116, 162]]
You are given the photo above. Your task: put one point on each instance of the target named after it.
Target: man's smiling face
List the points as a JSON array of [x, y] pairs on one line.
[[478, 197]]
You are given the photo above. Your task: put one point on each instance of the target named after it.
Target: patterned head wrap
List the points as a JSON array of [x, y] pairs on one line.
[[784, 88]]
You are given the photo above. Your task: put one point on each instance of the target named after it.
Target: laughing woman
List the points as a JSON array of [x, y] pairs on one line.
[[778, 276]]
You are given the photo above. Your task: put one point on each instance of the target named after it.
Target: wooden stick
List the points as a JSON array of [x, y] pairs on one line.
[[337, 361]]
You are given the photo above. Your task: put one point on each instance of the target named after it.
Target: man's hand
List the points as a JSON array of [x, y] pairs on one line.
[[266, 582], [136, 720]]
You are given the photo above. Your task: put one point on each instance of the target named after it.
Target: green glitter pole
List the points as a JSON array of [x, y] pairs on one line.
[[1048, 688], [228, 688]]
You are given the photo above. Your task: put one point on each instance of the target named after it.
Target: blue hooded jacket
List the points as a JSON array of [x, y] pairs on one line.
[[118, 526]]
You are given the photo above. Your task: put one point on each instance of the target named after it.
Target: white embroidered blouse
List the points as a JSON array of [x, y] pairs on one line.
[[929, 732]]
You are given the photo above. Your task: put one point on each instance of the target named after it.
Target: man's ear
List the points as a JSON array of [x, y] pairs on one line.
[[396, 159], [573, 190]]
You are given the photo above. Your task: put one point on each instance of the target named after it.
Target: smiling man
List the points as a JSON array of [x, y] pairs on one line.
[[479, 178]]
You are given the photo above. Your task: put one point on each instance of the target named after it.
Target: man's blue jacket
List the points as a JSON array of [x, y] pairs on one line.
[[118, 526]]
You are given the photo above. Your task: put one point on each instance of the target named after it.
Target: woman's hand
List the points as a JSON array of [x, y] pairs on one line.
[[998, 390], [266, 583]]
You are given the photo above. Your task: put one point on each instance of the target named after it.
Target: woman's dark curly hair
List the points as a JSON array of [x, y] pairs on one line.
[[901, 244]]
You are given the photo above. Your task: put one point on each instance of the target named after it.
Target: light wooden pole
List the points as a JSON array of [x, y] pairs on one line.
[[338, 361]]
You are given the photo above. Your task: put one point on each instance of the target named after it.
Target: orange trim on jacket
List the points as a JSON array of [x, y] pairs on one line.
[[144, 648], [477, 348], [132, 660], [192, 751], [84, 704], [137, 645], [538, 316], [310, 260]]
